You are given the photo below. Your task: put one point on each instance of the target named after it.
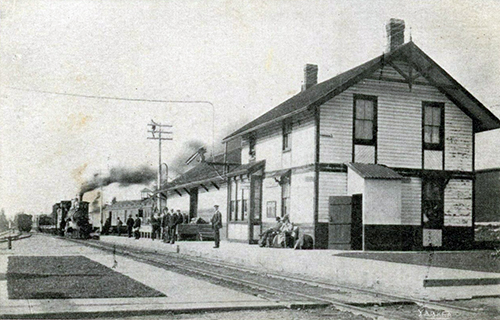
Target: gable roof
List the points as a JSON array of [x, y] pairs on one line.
[[322, 92], [374, 171]]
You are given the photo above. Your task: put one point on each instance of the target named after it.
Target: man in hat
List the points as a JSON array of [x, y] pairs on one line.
[[216, 225], [137, 227], [130, 225], [165, 224]]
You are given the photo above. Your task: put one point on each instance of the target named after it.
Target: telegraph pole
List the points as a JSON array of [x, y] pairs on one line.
[[156, 130]]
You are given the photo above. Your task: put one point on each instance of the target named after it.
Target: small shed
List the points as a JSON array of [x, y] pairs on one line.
[[369, 217]]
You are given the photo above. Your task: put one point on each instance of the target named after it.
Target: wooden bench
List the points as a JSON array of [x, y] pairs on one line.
[[195, 231]]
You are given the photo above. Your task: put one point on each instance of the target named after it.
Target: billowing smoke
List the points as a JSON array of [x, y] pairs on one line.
[[178, 165], [95, 203], [123, 176]]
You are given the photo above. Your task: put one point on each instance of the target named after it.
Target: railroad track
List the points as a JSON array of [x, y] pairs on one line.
[[278, 285]]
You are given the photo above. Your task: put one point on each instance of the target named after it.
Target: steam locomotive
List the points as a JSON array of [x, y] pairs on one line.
[[72, 218]]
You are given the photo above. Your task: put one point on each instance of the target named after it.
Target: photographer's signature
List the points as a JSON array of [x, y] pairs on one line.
[[433, 314]]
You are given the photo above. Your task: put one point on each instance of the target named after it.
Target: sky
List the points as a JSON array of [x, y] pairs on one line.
[[62, 62]]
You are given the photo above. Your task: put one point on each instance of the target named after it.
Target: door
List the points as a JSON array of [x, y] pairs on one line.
[[357, 222], [339, 228], [255, 217], [345, 230]]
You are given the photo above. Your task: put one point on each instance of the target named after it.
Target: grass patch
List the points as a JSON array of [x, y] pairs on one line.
[[69, 277], [482, 260]]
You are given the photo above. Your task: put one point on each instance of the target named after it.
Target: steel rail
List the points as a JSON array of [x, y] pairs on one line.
[[254, 285], [327, 285], [337, 303]]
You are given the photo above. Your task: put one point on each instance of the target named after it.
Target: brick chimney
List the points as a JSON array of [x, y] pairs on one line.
[[395, 33], [310, 76]]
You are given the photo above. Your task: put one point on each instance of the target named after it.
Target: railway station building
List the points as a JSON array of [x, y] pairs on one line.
[[380, 157]]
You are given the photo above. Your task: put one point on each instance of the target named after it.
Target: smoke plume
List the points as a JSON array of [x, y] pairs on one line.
[[95, 203], [178, 165], [123, 176]]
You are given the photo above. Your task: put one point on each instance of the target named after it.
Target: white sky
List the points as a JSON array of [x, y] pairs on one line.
[[244, 57]]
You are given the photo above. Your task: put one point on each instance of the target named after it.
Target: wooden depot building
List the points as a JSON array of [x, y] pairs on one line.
[[380, 157]]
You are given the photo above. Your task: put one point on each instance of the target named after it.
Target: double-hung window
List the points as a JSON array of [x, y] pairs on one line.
[[233, 210], [365, 119], [251, 148], [285, 195], [433, 125], [287, 130]]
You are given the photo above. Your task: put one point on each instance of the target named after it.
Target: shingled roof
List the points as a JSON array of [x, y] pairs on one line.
[[374, 171], [322, 92]]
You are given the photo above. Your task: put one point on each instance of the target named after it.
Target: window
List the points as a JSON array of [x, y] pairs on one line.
[[243, 198], [433, 125], [231, 210], [287, 130], [251, 149], [285, 195], [232, 204], [271, 209], [433, 211], [365, 120], [244, 209]]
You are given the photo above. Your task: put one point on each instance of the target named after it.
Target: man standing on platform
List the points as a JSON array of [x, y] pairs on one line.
[[137, 227], [172, 225], [165, 225], [119, 224], [130, 225], [216, 225]]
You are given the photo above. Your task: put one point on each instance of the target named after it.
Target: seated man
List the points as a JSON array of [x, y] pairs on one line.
[[287, 233], [266, 238]]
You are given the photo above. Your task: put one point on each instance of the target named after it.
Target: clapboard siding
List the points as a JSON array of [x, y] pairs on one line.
[[411, 201], [458, 139], [245, 157], [269, 142], [303, 142], [268, 146], [364, 154], [330, 184], [336, 129], [302, 197], [433, 160], [399, 141], [458, 203]]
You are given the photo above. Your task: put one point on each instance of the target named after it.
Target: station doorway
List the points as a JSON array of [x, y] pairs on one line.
[[345, 229]]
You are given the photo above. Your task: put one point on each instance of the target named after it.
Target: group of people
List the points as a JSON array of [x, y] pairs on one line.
[[282, 235], [164, 225]]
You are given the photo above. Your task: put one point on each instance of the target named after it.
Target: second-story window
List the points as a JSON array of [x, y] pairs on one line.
[[433, 125], [251, 148], [365, 120], [287, 130]]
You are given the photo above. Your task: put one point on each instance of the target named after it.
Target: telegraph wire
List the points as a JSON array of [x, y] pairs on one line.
[[106, 97], [127, 99]]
